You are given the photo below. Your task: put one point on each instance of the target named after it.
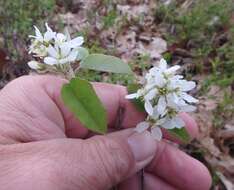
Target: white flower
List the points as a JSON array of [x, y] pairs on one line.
[[49, 34], [56, 48], [138, 94], [155, 128], [38, 49], [64, 51], [40, 42], [60, 55], [63, 40], [155, 131], [163, 89], [34, 65], [165, 95], [173, 122]]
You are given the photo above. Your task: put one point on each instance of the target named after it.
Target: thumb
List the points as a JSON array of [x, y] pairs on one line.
[[112, 158]]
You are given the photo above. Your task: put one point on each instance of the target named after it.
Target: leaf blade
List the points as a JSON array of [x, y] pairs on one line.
[[106, 63], [79, 96], [180, 134]]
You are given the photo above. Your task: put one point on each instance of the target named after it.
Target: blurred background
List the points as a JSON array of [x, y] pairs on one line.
[[196, 34]]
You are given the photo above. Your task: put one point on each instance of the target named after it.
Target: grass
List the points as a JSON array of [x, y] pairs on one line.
[[17, 18], [198, 29], [205, 29], [110, 18], [224, 111]]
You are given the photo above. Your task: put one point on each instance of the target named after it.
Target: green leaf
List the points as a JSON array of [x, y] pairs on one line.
[[180, 134], [82, 53], [132, 88], [100, 62], [80, 97]]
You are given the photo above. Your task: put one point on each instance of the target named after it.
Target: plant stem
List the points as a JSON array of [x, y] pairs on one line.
[[77, 69], [70, 73]]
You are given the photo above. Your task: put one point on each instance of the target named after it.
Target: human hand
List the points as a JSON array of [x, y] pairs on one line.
[[44, 147]]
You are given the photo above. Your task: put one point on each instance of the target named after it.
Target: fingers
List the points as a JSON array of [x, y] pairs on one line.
[[97, 163], [112, 96], [150, 182], [40, 96], [190, 125], [132, 182], [153, 182], [178, 169], [107, 160], [173, 169]]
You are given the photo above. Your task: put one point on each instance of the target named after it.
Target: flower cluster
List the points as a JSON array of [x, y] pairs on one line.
[[53, 48], [165, 95]]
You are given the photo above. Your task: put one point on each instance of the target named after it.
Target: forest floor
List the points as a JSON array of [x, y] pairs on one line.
[[196, 34]]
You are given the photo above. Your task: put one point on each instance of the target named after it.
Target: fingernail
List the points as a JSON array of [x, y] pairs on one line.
[[143, 147]]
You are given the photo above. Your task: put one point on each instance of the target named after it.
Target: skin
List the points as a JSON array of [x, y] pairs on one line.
[[43, 146]]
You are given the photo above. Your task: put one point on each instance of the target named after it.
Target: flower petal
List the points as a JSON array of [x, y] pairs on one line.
[[34, 65], [151, 94], [38, 34], [49, 36], [160, 80], [50, 61], [161, 121], [189, 98], [65, 50], [52, 52], [177, 77], [73, 55], [172, 98], [60, 38], [131, 96], [168, 124], [155, 114], [76, 42], [153, 71], [187, 85], [148, 107], [161, 105], [177, 122], [163, 64], [48, 28], [172, 70], [141, 127], [156, 133], [188, 108]]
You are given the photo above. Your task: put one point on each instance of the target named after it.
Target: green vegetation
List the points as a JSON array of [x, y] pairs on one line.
[[18, 17], [224, 110], [203, 29], [109, 19], [206, 30]]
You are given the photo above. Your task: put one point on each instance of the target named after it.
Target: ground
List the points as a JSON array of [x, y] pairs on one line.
[[196, 34]]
